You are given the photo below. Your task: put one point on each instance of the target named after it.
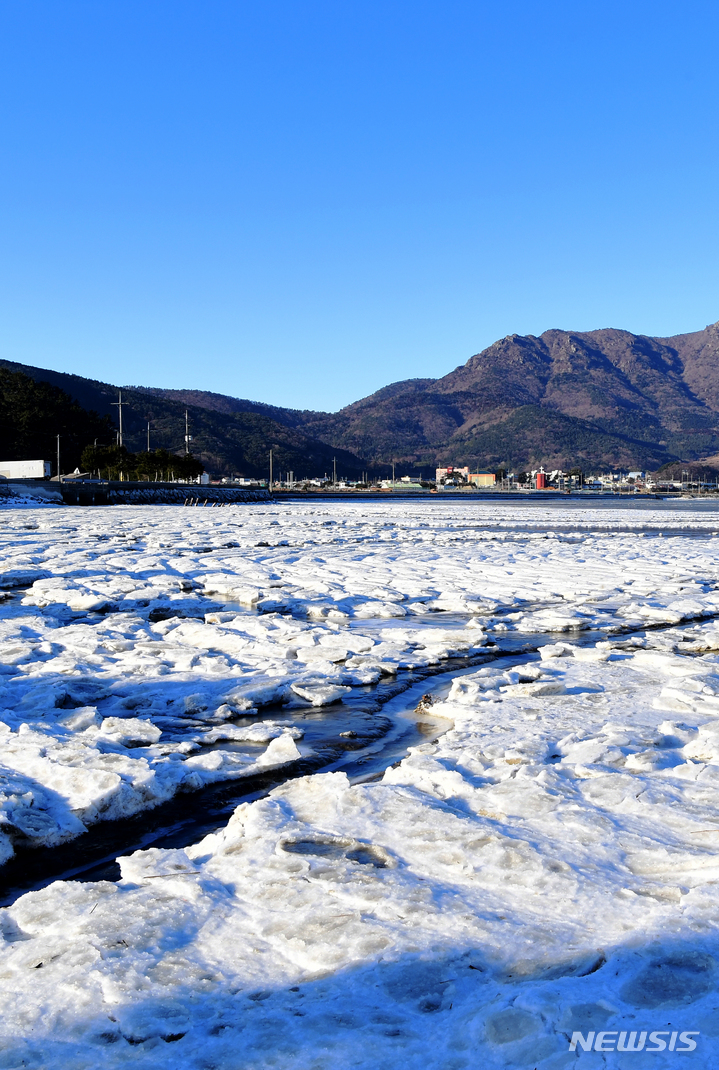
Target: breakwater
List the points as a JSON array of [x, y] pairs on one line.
[[75, 492]]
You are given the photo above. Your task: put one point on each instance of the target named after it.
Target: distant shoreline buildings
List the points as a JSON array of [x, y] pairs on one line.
[[446, 479]]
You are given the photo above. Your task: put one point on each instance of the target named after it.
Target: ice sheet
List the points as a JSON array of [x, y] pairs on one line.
[[547, 865], [185, 619]]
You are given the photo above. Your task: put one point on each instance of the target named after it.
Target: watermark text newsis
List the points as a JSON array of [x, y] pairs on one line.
[[640, 1040]]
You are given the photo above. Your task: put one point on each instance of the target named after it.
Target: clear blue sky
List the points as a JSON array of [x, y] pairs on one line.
[[299, 201]]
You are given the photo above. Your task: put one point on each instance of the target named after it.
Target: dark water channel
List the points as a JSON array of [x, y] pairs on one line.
[[366, 733], [370, 730]]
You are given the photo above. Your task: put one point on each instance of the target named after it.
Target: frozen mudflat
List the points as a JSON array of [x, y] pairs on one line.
[[546, 866]]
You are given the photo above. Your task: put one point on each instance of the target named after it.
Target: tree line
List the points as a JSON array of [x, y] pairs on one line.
[[116, 462], [33, 414]]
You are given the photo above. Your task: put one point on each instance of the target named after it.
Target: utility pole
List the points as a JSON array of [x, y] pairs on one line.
[[59, 477], [270, 471], [119, 404], [148, 436], [188, 436], [334, 471], [392, 473]]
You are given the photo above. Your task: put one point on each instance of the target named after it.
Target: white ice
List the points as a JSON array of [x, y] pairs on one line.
[[549, 864]]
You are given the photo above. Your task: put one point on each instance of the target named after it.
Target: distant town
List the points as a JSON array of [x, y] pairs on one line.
[[447, 480], [455, 478]]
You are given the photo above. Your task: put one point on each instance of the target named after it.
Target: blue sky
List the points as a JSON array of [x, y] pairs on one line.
[[301, 201]]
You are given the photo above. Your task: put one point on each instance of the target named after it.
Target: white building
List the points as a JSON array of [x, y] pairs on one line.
[[25, 469]]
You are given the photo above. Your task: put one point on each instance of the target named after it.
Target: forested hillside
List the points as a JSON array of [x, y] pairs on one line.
[[33, 414], [224, 442], [605, 398]]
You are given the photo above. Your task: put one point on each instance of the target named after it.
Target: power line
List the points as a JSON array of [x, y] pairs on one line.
[[119, 404]]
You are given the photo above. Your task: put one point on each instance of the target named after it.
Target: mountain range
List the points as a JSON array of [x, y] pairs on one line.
[[597, 399]]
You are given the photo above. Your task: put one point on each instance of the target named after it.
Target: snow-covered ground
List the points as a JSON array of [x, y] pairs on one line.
[[547, 866]]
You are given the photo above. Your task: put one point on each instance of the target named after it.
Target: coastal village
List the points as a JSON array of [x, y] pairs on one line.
[[452, 479]]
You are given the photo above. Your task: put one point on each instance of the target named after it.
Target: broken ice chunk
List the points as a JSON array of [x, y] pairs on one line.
[[79, 719], [130, 730], [321, 694]]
